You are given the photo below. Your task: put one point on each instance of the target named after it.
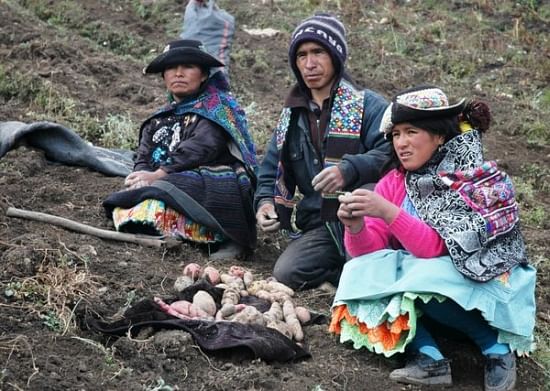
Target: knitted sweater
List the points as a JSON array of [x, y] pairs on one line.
[[406, 231]]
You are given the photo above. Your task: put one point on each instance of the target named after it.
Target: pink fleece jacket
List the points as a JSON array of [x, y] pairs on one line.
[[405, 231]]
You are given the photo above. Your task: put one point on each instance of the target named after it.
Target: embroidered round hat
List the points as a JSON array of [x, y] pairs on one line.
[[183, 51], [418, 103], [324, 29]]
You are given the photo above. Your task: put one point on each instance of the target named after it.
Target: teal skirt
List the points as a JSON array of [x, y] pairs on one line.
[[378, 288]]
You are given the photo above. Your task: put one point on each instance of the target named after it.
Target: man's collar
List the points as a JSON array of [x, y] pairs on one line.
[[297, 97]]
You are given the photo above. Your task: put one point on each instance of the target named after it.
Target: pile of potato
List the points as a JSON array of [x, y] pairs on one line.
[[283, 315]]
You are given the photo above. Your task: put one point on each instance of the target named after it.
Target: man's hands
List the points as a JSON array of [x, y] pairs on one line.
[[329, 180], [139, 179], [267, 218]]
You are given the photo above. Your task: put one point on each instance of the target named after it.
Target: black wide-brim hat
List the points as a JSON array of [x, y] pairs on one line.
[[418, 103], [183, 51]]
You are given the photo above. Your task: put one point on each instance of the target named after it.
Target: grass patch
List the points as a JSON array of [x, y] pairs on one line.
[[45, 103], [15, 86], [54, 293], [260, 124], [119, 131], [67, 15]]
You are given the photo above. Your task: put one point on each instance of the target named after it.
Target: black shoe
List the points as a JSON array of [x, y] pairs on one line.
[[424, 370], [500, 372]]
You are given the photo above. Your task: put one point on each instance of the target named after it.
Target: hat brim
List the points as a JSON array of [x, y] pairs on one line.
[[403, 113], [184, 55]]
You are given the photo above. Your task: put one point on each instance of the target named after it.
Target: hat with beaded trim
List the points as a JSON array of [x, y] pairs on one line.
[[417, 103]]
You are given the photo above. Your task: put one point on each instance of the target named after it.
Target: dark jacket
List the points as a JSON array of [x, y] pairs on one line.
[[302, 162], [201, 142]]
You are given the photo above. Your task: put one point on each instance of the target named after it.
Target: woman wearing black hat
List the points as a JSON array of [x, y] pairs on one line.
[[194, 171], [438, 237]]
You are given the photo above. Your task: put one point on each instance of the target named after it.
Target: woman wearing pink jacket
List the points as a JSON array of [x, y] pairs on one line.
[[438, 238]]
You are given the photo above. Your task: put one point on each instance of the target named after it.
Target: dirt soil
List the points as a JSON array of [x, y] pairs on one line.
[[106, 277]]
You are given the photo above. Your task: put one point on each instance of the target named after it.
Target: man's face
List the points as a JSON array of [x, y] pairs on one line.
[[315, 66]]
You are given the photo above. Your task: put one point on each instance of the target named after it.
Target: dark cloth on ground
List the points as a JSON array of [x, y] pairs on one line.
[[63, 145], [245, 341]]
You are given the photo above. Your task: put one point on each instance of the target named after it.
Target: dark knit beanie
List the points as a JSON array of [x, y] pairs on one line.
[[326, 30]]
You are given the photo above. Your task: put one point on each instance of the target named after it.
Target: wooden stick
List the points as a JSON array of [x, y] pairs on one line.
[[145, 240]]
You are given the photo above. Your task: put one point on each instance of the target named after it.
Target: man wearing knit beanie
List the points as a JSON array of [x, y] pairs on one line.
[[327, 140]]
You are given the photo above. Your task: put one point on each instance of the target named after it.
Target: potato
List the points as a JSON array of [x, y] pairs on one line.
[[275, 312], [280, 326], [192, 270], [303, 314], [232, 280], [205, 302], [249, 315], [248, 278], [168, 309], [292, 321], [211, 274], [237, 271], [181, 306]]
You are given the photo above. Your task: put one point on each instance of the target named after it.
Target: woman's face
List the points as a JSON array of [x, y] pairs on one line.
[[414, 146], [183, 80]]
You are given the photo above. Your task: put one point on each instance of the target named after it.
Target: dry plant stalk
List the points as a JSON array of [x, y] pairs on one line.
[[61, 287], [11, 344]]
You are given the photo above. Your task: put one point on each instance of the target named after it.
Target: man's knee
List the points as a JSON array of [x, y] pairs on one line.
[[287, 272]]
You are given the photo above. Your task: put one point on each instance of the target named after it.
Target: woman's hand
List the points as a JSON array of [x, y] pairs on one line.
[[349, 217], [362, 202], [139, 179]]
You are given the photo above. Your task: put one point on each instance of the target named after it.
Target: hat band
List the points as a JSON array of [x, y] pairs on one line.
[[401, 113]]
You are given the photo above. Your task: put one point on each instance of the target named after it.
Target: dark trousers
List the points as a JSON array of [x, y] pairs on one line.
[[310, 260]]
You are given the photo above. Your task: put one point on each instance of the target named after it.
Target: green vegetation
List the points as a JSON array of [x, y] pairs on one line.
[[66, 15]]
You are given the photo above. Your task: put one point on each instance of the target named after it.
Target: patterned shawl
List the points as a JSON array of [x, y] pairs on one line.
[[344, 133], [471, 204], [218, 105]]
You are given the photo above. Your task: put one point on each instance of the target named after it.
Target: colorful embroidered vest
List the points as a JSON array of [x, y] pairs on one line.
[[344, 135]]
